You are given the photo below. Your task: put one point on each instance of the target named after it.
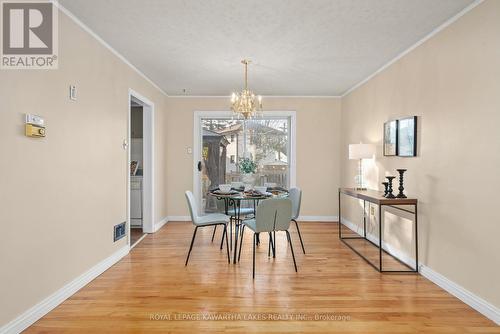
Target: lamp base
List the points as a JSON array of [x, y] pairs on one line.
[[358, 179]]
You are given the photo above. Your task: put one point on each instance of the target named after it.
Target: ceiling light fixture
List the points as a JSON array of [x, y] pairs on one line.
[[246, 103]]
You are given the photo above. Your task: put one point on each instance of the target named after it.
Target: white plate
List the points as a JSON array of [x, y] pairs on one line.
[[266, 194], [220, 192]]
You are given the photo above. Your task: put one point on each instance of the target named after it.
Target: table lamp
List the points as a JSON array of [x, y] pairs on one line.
[[360, 152]]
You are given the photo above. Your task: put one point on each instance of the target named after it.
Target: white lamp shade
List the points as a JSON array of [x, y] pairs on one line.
[[361, 151]]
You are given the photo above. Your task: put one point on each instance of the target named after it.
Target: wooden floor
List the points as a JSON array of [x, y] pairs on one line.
[[335, 291], [135, 234]]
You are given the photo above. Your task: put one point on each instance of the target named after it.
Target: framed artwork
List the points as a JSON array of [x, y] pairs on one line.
[[407, 137], [391, 138]]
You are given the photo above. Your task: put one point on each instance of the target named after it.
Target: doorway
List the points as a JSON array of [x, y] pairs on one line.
[[140, 162], [220, 142]]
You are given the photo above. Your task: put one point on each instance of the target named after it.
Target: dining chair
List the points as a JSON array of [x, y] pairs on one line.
[[272, 215], [295, 195], [231, 212], [212, 219]]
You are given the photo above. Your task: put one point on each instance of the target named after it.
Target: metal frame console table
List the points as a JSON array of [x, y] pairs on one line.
[[376, 197]]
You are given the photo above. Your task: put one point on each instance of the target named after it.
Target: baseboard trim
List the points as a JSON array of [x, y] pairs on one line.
[[301, 218], [318, 218], [36, 312], [477, 303], [386, 246], [179, 218], [160, 223]]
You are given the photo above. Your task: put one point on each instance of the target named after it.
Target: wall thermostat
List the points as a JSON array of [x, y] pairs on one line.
[[35, 126], [35, 120]]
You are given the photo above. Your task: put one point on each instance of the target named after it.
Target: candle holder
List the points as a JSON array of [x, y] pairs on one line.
[[401, 186], [386, 185], [389, 189]]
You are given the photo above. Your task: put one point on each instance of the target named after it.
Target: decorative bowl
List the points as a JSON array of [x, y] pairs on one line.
[[261, 190], [237, 185], [225, 188]]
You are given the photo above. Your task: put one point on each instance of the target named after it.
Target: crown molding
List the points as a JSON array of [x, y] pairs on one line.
[[414, 46], [109, 47], [263, 96], [350, 90]]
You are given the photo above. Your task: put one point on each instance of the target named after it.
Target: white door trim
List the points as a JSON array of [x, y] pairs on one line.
[[148, 163], [197, 142]]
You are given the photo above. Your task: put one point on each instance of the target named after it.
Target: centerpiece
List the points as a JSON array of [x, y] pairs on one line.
[[247, 169]]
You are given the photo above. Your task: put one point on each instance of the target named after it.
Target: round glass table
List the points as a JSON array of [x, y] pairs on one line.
[[234, 199]]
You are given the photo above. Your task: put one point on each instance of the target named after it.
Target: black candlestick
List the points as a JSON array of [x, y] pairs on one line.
[[401, 187], [389, 190], [386, 184]]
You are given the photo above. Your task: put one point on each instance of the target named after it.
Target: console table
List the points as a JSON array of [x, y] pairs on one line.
[[377, 197]]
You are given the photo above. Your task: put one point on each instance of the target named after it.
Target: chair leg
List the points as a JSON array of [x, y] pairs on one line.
[[222, 240], [269, 245], [191, 247], [231, 234], [241, 241], [241, 230], [291, 248], [300, 236], [213, 234], [274, 244], [254, 242], [227, 244]]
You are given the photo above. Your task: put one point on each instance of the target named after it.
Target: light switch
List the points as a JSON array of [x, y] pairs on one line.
[[72, 93], [189, 150]]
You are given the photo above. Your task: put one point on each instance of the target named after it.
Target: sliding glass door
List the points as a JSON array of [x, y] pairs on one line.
[[225, 142]]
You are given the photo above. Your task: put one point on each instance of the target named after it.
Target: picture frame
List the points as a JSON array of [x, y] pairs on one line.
[[391, 138], [407, 137]]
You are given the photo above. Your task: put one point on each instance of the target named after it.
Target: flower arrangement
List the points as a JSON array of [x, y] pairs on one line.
[[247, 166]]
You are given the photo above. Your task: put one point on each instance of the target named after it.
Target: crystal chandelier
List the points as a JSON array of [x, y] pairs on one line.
[[246, 103]]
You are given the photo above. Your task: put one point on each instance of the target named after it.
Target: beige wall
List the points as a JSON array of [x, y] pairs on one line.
[[452, 83], [318, 145], [61, 195]]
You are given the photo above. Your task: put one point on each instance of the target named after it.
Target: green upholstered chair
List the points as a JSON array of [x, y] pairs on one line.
[[213, 219], [273, 215]]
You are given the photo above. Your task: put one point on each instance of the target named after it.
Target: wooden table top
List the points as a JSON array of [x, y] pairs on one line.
[[377, 197]]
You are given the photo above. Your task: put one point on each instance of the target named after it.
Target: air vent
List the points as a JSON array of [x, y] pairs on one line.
[[119, 231]]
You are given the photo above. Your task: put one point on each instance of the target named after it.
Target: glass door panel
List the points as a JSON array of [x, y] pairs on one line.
[[225, 141]]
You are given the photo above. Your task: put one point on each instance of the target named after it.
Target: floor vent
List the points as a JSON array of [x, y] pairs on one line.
[[119, 231]]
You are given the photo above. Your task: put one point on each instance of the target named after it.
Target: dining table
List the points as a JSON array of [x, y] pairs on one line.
[[234, 199]]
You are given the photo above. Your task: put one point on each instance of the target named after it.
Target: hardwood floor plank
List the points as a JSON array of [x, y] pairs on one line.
[[334, 291]]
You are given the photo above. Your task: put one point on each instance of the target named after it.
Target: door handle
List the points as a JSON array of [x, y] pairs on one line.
[[199, 166]]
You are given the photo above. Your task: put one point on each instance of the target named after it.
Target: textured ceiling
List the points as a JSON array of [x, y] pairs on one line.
[[299, 47]]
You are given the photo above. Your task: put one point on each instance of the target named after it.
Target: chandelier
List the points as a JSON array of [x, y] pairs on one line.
[[246, 103]]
